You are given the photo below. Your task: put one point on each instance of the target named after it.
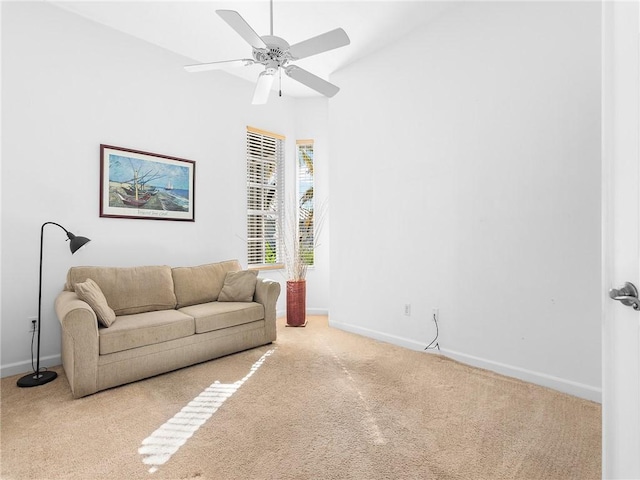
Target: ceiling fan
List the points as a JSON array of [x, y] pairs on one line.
[[276, 54]]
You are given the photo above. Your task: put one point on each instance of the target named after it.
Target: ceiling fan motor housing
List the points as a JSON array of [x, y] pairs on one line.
[[275, 55]]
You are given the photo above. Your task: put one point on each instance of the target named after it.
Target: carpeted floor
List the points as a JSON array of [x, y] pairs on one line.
[[319, 403]]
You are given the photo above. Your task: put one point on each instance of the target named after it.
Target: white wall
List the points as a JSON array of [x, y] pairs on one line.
[[69, 85], [472, 153]]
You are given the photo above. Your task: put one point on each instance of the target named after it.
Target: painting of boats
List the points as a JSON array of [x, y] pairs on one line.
[[133, 201], [136, 184]]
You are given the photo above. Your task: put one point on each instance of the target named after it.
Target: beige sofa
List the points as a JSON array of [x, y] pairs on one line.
[[159, 319]]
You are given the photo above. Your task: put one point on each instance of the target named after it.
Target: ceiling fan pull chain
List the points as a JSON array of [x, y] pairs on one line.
[[280, 82]]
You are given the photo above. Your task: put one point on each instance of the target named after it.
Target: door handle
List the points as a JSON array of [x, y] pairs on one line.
[[627, 295]]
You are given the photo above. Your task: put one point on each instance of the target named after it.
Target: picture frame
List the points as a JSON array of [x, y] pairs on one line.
[[148, 186]]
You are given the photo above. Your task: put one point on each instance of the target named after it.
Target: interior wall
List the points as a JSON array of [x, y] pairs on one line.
[[472, 153], [68, 85]]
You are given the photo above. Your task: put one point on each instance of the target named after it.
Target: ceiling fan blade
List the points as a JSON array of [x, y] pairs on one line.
[[322, 43], [240, 25], [312, 81], [263, 88], [203, 67]]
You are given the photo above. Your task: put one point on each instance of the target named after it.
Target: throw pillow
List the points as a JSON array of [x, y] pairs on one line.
[[90, 292], [239, 286]]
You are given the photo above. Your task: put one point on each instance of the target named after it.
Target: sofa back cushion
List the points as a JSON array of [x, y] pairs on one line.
[[201, 284], [129, 290]]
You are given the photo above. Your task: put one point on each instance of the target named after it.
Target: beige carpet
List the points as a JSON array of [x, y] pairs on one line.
[[325, 404]]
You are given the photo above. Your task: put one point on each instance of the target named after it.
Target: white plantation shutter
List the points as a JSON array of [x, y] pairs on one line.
[[265, 182]]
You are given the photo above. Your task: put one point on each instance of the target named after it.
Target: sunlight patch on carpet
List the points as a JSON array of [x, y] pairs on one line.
[[370, 421], [158, 448]]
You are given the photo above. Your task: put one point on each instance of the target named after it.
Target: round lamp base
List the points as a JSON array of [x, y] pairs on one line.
[[37, 379]]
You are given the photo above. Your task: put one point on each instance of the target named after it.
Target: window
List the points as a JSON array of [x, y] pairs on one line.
[[306, 204], [265, 181]]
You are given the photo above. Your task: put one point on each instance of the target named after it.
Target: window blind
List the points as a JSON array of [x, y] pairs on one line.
[[265, 182]]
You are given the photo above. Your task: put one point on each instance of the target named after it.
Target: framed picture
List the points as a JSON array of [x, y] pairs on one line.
[[136, 184]]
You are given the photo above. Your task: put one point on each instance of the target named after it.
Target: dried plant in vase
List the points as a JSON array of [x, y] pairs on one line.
[[300, 234]]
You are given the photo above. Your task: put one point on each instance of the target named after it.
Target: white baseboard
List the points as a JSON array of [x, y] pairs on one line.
[[577, 389], [25, 367]]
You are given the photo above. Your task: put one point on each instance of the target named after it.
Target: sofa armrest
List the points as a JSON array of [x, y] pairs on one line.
[[267, 293], [80, 343]]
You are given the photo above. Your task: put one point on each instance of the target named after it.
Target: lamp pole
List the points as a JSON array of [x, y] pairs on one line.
[[40, 378]]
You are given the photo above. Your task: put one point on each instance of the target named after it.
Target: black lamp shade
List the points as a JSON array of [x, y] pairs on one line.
[[76, 243]]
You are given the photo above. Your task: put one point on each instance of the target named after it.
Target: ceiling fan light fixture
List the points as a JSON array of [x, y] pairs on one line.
[[263, 88]]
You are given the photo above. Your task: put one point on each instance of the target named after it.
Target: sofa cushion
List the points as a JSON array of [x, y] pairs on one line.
[[239, 286], [129, 290], [90, 292], [140, 329], [217, 315], [201, 284]]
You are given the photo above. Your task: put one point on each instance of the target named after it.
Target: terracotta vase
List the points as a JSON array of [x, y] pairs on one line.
[[296, 303]]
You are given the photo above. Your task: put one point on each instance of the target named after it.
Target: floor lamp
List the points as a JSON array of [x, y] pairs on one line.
[[40, 378]]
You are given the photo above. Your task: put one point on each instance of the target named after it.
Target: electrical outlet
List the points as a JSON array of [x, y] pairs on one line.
[[407, 309], [436, 314], [32, 324]]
